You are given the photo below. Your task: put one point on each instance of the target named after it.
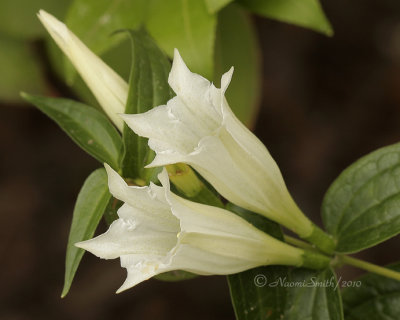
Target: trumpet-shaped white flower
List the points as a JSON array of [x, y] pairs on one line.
[[198, 127], [158, 231], [110, 90]]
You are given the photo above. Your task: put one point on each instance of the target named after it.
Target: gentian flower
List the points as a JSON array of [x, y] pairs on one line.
[[197, 127], [157, 231]]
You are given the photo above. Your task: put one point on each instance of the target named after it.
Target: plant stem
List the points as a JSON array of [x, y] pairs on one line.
[[323, 241], [370, 267], [297, 242], [315, 260]]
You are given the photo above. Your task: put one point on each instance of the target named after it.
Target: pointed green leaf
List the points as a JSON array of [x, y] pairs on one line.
[[89, 128], [252, 297], [316, 297], [188, 26], [89, 208], [214, 6], [148, 87], [305, 13], [94, 21], [237, 45], [362, 206], [372, 297]]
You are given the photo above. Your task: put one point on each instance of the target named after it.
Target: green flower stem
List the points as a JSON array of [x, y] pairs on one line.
[[298, 243], [370, 267], [314, 260], [321, 240]]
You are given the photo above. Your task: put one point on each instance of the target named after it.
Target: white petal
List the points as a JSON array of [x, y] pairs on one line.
[[162, 125], [189, 86], [198, 218], [140, 268], [204, 262], [135, 232], [140, 197], [193, 90], [110, 90]]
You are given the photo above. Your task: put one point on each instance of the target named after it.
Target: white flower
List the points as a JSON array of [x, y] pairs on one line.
[[158, 231], [198, 127], [110, 90]]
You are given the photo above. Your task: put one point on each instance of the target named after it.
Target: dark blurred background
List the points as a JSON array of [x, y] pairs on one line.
[[326, 102]]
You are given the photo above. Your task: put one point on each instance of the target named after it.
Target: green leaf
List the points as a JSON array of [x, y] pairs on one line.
[[89, 128], [20, 70], [237, 45], [372, 297], [316, 296], [362, 206], [148, 87], [304, 13], [90, 205], [214, 6], [18, 17], [252, 297], [187, 26], [94, 22]]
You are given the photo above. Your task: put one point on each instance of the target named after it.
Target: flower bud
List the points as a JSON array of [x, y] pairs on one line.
[[110, 90]]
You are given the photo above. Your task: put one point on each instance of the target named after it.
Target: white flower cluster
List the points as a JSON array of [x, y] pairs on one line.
[[157, 231]]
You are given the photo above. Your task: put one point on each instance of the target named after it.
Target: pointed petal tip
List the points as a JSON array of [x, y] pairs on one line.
[[178, 60], [108, 168], [124, 115], [179, 71], [177, 57], [42, 13], [132, 120], [47, 18], [54, 26], [121, 289], [226, 79], [81, 245]]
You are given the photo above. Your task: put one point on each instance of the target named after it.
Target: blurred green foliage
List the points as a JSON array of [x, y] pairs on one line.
[[211, 35]]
